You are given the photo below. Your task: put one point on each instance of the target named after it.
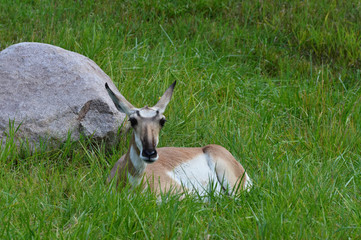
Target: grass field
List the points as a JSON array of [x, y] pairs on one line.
[[275, 82]]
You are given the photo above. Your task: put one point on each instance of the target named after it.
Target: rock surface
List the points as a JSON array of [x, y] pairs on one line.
[[51, 92]]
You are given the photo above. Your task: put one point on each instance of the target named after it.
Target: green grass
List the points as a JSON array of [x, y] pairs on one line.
[[275, 82]]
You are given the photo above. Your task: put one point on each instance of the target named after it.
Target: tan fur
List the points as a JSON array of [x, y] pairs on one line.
[[226, 164]]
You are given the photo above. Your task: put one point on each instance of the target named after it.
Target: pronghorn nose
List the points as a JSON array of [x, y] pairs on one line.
[[149, 153]]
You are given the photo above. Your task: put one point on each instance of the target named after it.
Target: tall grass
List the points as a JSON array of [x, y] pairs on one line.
[[275, 82]]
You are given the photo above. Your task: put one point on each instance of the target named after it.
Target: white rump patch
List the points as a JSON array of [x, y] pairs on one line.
[[196, 175], [248, 183]]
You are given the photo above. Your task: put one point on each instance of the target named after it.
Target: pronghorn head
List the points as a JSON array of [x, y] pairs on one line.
[[146, 122]]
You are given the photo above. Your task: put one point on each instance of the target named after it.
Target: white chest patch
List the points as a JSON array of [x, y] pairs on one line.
[[134, 181], [196, 175], [138, 163]]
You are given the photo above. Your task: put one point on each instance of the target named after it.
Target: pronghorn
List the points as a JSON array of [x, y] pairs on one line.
[[171, 168]]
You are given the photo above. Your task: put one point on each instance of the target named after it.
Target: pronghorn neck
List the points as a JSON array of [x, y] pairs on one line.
[[135, 165]]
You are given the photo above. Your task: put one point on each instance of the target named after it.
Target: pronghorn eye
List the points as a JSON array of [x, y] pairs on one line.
[[162, 121], [133, 122]]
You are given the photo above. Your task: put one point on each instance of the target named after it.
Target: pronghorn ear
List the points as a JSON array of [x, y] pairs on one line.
[[120, 102], [164, 100]]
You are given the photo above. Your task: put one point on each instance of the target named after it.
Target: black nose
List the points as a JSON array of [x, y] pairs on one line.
[[149, 153]]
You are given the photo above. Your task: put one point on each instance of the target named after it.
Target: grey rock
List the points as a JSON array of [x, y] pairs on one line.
[[51, 92]]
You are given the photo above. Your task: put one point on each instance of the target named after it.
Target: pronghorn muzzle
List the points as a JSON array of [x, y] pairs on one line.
[[150, 155]]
